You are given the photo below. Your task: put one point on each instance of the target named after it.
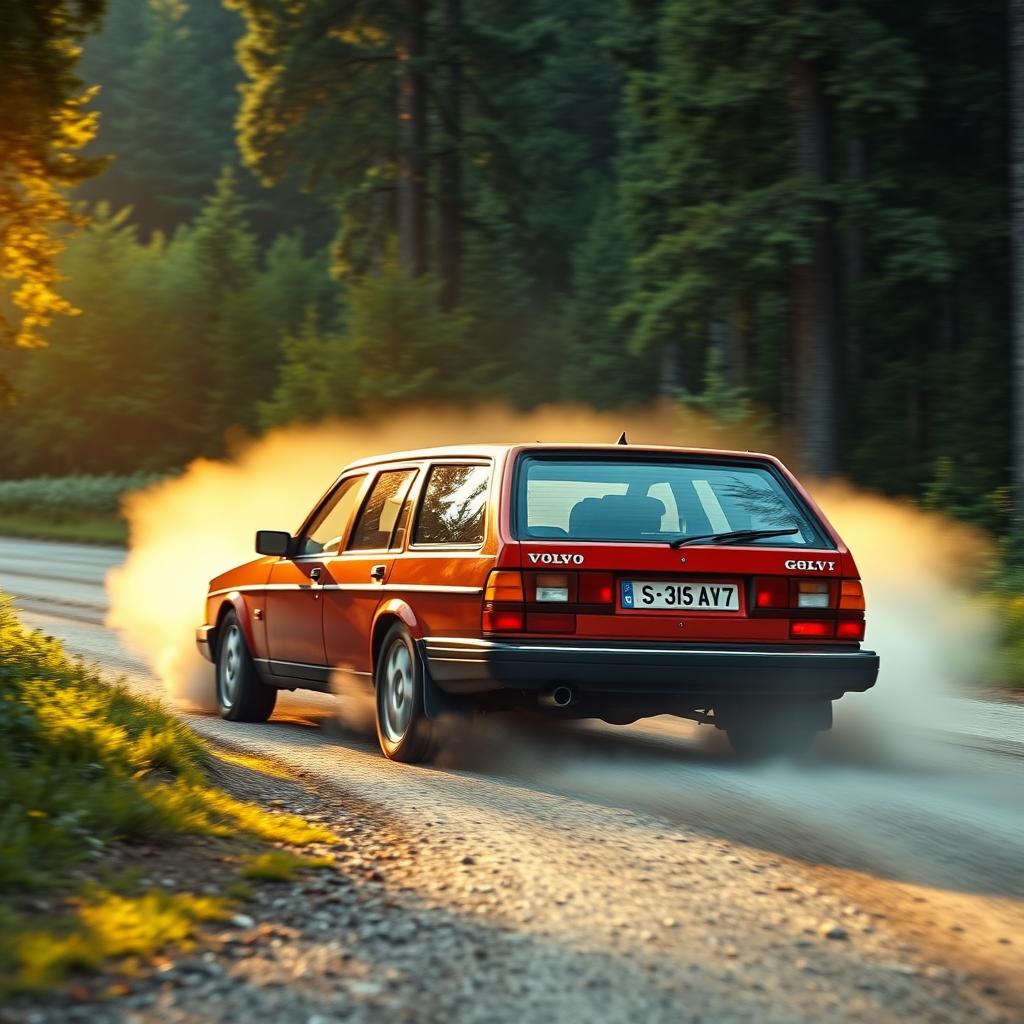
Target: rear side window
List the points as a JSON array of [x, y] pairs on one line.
[[658, 500], [453, 507], [383, 511]]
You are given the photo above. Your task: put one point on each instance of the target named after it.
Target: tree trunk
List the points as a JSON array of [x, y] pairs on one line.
[[450, 237], [853, 275], [1017, 242], [668, 372], [412, 138], [815, 282]]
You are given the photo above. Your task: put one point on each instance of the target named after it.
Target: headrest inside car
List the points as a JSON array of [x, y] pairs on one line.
[[616, 516]]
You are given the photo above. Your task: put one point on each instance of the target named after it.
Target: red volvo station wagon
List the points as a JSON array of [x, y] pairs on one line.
[[601, 581]]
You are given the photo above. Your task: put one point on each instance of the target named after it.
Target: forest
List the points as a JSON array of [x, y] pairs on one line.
[[271, 211]]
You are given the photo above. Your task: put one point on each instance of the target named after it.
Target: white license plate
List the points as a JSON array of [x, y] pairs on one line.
[[693, 595]]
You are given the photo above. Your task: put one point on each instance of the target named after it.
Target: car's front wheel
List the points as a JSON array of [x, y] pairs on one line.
[[403, 729], [241, 695]]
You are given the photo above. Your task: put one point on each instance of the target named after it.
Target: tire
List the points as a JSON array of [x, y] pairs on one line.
[[241, 695], [781, 732], [403, 729]]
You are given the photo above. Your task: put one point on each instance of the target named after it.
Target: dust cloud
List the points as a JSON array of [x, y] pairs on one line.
[[932, 637]]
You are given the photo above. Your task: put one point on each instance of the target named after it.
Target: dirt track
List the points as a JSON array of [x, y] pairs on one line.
[[635, 874]]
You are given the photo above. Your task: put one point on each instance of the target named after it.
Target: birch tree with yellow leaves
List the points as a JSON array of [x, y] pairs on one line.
[[45, 122]]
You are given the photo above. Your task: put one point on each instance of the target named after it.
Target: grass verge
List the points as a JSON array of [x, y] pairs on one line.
[[96, 528], [84, 764], [74, 508]]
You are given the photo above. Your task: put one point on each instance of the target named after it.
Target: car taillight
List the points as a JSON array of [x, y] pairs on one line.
[[811, 628], [504, 609], [504, 587], [818, 608], [813, 594], [771, 592], [551, 587], [850, 629], [517, 602], [596, 588], [503, 620]]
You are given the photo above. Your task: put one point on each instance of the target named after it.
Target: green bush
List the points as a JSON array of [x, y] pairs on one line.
[[66, 497], [1005, 589]]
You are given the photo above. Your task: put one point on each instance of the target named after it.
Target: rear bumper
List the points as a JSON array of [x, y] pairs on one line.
[[628, 668], [203, 637]]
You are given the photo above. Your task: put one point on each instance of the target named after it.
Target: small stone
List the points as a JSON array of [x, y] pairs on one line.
[[365, 988], [242, 921], [897, 968], [831, 930], [468, 860]]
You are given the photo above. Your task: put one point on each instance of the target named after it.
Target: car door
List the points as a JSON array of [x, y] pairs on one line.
[[451, 548], [293, 603], [355, 578]]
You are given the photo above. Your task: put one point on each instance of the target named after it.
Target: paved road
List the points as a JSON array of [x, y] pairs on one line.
[[651, 844]]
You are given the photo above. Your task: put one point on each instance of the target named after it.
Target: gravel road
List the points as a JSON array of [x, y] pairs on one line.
[[609, 875]]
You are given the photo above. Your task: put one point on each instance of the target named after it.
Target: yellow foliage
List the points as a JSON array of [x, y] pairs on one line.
[[110, 925], [36, 212], [280, 865], [258, 764]]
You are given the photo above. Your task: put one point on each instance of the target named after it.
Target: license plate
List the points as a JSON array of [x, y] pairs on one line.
[[694, 595]]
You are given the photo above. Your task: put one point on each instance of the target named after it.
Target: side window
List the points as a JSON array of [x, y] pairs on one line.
[[327, 534], [381, 512], [454, 502]]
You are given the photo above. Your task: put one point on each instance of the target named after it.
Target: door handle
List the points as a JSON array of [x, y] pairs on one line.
[[314, 574], [378, 572]]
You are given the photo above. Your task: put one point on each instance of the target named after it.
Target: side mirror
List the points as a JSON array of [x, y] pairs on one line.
[[273, 542]]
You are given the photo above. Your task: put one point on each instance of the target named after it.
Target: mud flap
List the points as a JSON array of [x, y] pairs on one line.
[[437, 703]]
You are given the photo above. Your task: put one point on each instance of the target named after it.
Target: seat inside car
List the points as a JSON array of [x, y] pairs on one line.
[[616, 515]]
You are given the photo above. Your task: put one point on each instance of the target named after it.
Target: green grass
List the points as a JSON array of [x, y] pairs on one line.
[[84, 763], [85, 529], [280, 865], [72, 508], [106, 925]]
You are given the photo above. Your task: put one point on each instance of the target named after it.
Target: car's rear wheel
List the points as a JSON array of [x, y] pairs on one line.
[[241, 695], [403, 729], [761, 733]]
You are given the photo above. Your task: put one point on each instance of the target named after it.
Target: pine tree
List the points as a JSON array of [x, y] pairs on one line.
[[158, 123]]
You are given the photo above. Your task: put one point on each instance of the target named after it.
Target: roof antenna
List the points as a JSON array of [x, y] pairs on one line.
[[622, 438]]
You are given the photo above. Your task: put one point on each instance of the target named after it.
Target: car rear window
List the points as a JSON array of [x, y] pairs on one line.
[[658, 500]]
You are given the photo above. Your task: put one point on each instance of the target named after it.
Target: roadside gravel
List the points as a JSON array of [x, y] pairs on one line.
[[542, 910]]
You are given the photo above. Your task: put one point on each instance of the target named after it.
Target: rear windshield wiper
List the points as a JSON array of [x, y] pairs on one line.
[[732, 537]]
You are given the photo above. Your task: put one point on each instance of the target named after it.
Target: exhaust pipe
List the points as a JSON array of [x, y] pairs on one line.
[[557, 697]]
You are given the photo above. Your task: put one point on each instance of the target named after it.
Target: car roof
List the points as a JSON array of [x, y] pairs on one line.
[[494, 451]]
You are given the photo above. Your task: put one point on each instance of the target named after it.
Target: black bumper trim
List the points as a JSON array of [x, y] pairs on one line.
[[627, 668]]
